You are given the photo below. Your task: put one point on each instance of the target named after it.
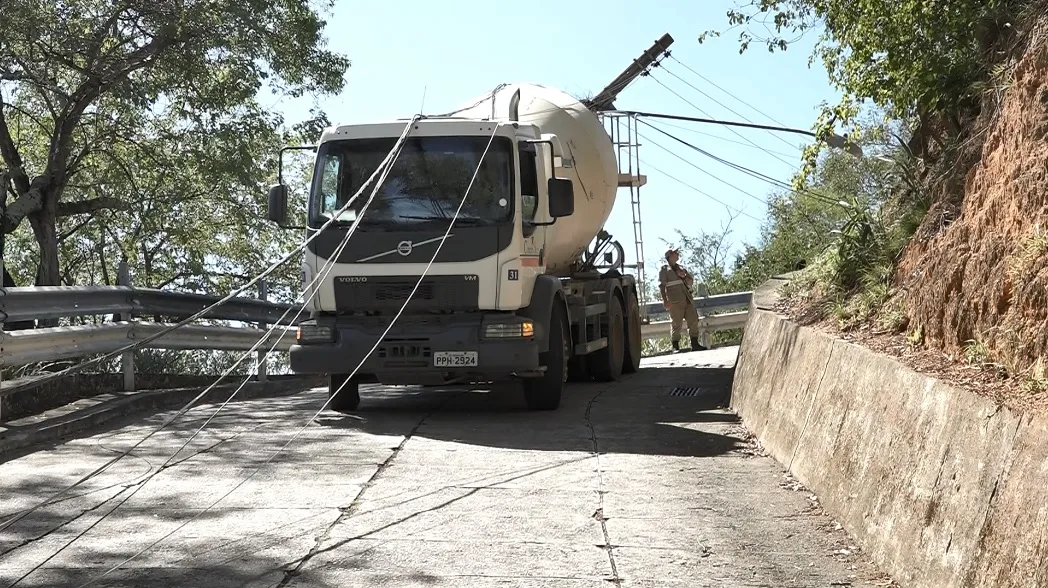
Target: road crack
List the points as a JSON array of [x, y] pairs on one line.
[[599, 514], [348, 511]]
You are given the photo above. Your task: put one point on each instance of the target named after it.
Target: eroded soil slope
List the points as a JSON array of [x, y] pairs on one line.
[[983, 277]]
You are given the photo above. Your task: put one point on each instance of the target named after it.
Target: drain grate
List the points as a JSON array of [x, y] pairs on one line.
[[685, 391]]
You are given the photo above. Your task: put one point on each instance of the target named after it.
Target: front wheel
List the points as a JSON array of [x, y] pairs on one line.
[[544, 393], [344, 393]]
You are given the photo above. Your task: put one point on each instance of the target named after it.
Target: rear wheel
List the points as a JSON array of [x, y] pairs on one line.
[[634, 339], [344, 393], [607, 362], [577, 369], [544, 393]]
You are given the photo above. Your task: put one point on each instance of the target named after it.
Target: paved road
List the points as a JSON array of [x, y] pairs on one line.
[[625, 484]]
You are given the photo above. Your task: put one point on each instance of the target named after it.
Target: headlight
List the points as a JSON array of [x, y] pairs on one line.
[[508, 330], [309, 333]]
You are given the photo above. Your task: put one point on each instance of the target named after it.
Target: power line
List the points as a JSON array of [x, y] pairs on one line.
[[691, 187], [378, 342], [696, 107], [714, 84], [730, 109], [383, 168], [325, 270], [7, 523], [775, 205], [728, 93], [743, 169], [718, 137], [696, 166]]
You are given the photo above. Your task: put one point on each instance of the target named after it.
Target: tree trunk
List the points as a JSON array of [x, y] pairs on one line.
[[43, 222]]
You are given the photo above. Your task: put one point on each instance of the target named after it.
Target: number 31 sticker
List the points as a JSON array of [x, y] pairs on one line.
[[514, 275]]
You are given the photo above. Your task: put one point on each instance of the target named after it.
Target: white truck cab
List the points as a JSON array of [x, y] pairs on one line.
[[488, 307]]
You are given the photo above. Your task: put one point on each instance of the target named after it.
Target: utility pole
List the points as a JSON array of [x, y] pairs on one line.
[[627, 147], [606, 98]]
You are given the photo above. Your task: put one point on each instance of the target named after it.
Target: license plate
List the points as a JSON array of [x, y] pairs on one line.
[[455, 359]]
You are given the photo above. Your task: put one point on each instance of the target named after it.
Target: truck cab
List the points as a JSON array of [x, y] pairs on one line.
[[474, 315]]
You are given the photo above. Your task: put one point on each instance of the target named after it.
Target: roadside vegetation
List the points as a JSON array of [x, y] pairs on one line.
[[143, 133], [924, 84]]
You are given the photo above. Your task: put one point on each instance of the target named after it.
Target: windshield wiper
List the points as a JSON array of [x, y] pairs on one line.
[[460, 220]]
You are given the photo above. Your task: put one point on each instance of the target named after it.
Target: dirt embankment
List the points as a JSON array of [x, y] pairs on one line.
[[979, 285]]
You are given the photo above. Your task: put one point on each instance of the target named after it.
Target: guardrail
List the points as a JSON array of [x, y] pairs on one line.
[[51, 302], [21, 307], [58, 343], [125, 303], [713, 312]]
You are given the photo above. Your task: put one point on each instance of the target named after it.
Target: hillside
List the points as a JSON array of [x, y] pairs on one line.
[[979, 283], [933, 246]]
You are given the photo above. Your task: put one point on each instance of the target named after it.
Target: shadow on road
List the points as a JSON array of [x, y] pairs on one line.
[[636, 415]]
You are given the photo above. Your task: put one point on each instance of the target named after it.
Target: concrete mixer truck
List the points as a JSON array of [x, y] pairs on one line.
[[517, 290]]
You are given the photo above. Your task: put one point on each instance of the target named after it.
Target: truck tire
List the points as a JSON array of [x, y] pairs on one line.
[[634, 338], [577, 370], [544, 393], [607, 363], [348, 398]]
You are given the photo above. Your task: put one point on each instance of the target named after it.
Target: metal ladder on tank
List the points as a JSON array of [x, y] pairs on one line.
[[623, 131]]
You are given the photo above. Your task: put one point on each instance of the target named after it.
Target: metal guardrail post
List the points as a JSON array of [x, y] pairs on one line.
[[704, 331], [127, 359], [263, 295]]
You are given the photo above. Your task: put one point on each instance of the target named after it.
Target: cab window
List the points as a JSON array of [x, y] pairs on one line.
[[529, 184]]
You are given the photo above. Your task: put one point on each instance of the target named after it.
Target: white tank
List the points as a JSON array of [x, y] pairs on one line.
[[584, 140]]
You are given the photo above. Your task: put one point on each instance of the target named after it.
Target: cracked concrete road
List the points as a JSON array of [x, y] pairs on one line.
[[624, 485]]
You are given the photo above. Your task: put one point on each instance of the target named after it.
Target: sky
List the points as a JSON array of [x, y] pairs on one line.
[[409, 55]]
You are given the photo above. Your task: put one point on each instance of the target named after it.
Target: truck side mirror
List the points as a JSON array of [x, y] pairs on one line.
[[561, 197], [278, 204]]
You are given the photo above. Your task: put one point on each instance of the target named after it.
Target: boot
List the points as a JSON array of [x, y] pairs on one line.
[[695, 345], [676, 345]]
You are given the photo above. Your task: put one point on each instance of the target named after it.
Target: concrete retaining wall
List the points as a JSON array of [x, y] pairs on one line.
[[943, 488]]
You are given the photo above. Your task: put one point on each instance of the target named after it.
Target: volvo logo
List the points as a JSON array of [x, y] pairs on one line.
[[404, 248], [345, 279]]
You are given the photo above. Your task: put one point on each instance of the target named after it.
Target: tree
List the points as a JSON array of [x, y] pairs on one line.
[[802, 224], [705, 254], [86, 82], [919, 60]]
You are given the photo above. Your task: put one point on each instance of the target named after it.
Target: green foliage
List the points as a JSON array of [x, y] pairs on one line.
[[195, 216], [109, 111], [912, 58], [848, 227]]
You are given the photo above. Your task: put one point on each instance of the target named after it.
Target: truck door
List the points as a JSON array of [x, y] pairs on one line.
[[534, 237]]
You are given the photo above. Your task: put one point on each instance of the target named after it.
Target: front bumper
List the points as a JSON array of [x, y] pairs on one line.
[[409, 351]]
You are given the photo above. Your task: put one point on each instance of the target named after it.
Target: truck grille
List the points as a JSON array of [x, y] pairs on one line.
[[387, 293]]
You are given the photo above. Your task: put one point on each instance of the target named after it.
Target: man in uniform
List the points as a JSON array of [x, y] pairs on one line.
[[675, 284]]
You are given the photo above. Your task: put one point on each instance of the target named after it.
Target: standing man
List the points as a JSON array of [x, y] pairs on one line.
[[675, 285]]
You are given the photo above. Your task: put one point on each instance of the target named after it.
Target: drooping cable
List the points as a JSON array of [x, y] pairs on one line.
[[723, 105], [701, 169], [733, 131], [378, 342], [325, 270], [717, 137], [141, 342], [396, 148], [778, 206], [766, 178], [714, 84], [701, 192]]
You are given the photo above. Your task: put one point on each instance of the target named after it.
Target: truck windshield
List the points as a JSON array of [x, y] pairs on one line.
[[426, 184]]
